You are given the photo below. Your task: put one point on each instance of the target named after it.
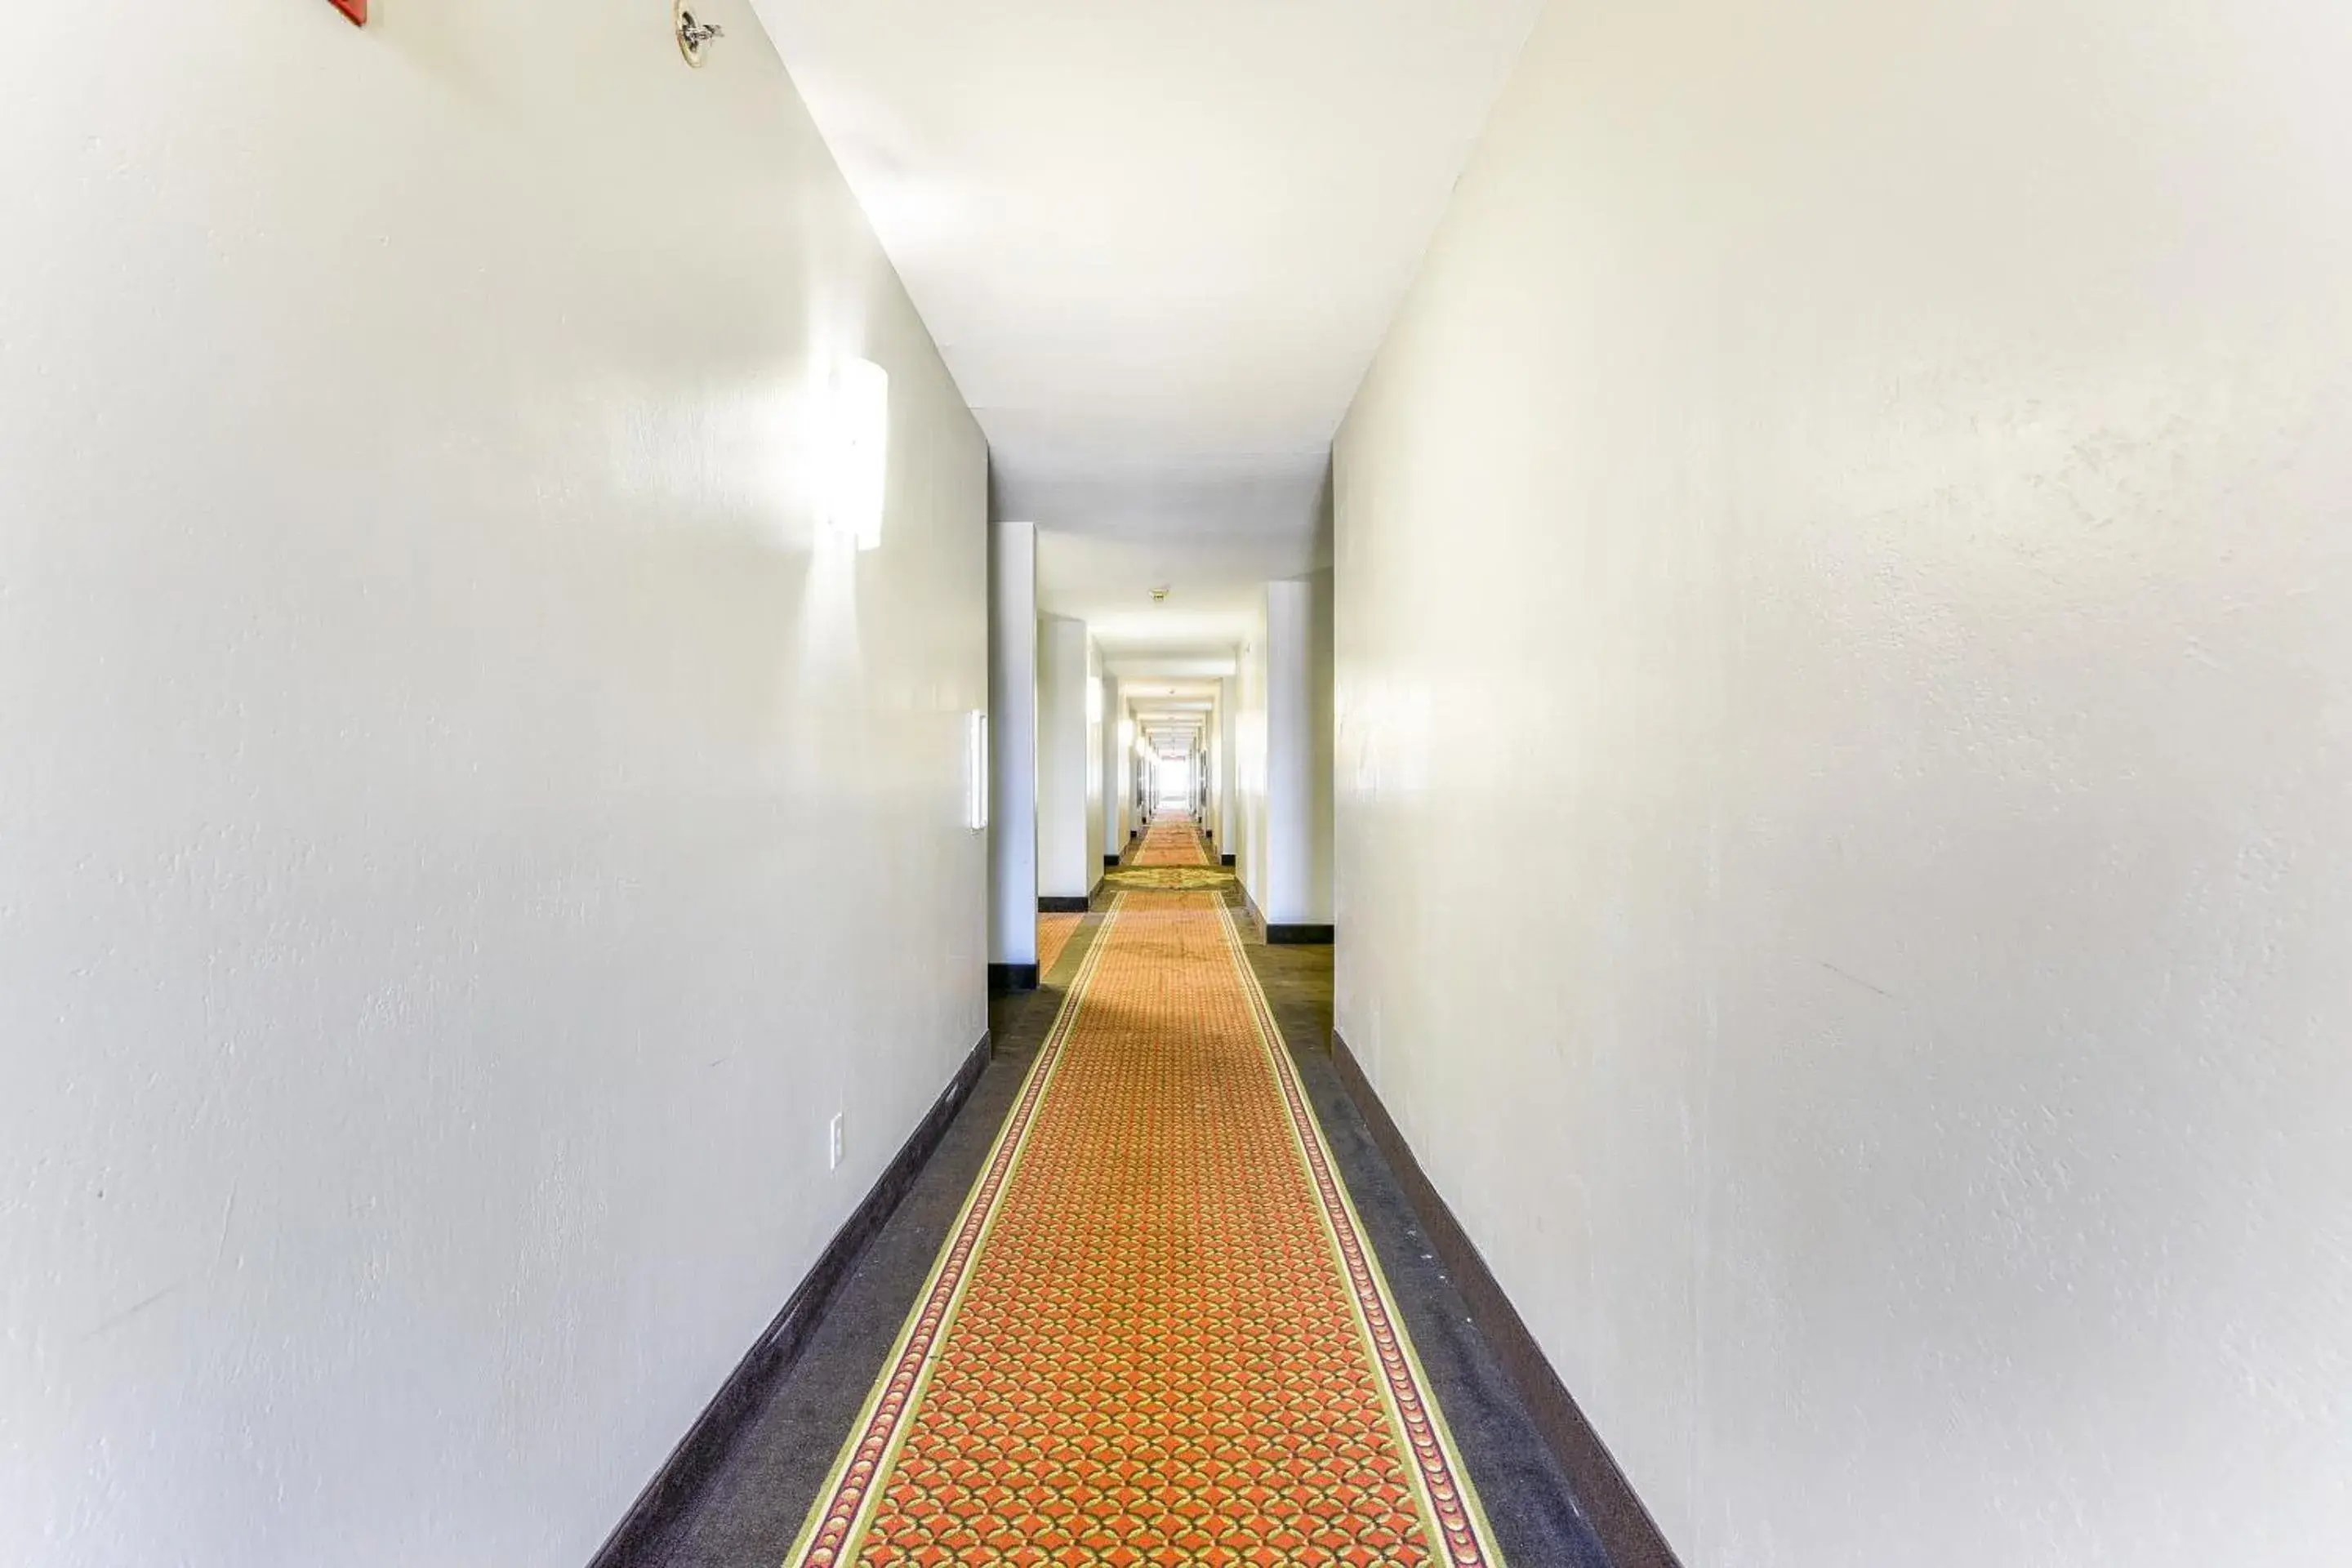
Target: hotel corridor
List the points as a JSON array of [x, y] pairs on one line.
[[1262, 783]]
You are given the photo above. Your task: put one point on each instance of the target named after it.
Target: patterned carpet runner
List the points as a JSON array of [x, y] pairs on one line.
[[1156, 1336], [1054, 934], [1175, 843]]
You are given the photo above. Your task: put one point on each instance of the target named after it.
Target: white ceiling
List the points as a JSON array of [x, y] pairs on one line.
[[1158, 241], [1167, 711]]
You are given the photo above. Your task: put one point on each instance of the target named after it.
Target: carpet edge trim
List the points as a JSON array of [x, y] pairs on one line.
[[1604, 1495], [1323, 1176], [995, 1176]]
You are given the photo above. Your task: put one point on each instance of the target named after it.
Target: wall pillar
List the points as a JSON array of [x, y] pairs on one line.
[[1297, 904], [1013, 754], [1066, 866], [1114, 772], [1221, 758], [1098, 777]]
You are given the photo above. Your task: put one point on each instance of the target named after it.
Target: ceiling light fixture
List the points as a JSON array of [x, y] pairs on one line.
[[1160, 596], [694, 34]]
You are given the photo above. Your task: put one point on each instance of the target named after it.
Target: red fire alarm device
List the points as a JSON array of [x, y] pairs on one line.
[[355, 9]]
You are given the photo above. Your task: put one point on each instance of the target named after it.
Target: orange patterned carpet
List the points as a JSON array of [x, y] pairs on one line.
[[1172, 844], [1054, 934], [1156, 1336]]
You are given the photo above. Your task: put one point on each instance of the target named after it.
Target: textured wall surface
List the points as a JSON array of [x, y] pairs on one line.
[[1845, 635], [1252, 766], [1116, 747], [1298, 887], [1229, 794], [460, 839], [1066, 862], [1012, 743], [1098, 767]]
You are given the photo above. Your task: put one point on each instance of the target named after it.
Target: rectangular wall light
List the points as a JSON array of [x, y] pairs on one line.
[[858, 452], [975, 745]]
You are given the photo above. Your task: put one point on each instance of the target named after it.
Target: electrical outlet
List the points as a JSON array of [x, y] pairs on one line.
[[832, 1144]]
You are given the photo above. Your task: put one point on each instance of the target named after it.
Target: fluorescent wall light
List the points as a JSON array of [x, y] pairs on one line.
[[856, 457], [975, 745]]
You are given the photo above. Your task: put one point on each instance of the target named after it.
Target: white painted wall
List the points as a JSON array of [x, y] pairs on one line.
[[1097, 802], [460, 840], [1114, 767], [1229, 798], [1066, 866], [1212, 755], [1297, 885], [1013, 670], [1847, 765], [1250, 759]]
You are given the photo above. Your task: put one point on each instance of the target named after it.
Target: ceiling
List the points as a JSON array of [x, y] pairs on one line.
[[1158, 242], [1171, 713]]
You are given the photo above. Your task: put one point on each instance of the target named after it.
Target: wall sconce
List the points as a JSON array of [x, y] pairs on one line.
[[694, 34], [856, 455], [975, 747]]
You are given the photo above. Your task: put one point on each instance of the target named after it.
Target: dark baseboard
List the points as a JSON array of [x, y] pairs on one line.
[[1229, 859], [697, 1459], [1606, 1497], [1285, 935], [1111, 859], [1004, 977], [1062, 904]]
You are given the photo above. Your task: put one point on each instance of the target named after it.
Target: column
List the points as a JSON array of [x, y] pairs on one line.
[[1298, 809], [1067, 866], [1013, 754], [1229, 808], [1114, 772]]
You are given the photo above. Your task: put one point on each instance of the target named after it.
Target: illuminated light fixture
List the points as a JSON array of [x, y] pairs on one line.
[[856, 455], [975, 746], [1160, 596]]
